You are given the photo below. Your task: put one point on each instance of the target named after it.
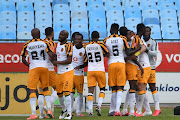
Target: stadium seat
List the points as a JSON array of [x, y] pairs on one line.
[[59, 2], [129, 3], [7, 7], [115, 16], [25, 35], [170, 20], [82, 14], [21, 28], [8, 28], [132, 12], [25, 20], [101, 28], [169, 28], [168, 13], [151, 13], [97, 11], [12, 2], [77, 20], [77, 3], [82, 28], [155, 31], [43, 17], [59, 27], [61, 17], [94, 2], [156, 35], [61, 7], [167, 6], [8, 14], [39, 2], [42, 7], [171, 35], [149, 5], [151, 21], [132, 21], [77, 8], [7, 20], [26, 14], [25, 8], [161, 2], [24, 3], [112, 3], [7, 35], [97, 21]]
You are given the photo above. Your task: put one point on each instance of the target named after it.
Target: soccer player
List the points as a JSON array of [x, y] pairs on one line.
[[65, 73], [116, 67], [131, 73], [144, 61], [152, 48], [73, 91], [52, 74], [78, 58], [38, 51], [95, 52]]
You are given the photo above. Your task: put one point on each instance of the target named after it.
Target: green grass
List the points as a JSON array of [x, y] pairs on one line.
[[167, 114]]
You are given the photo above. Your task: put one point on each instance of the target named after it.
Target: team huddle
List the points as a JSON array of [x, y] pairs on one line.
[[130, 57]]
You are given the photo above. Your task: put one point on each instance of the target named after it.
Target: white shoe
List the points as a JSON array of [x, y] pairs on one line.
[[63, 114], [124, 112], [68, 117], [147, 113], [43, 116], [98, 110]]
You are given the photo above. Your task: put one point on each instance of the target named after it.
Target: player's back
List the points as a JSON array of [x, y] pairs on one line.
[[95, 56], [37, 51], [115, 44]]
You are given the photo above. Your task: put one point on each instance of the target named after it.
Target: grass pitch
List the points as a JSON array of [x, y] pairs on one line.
[[167, 114]]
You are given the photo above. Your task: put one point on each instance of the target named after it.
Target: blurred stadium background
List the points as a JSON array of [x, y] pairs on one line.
[[19, 17]]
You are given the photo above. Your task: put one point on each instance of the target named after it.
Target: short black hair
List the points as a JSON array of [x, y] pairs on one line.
[[140, 26], [148, 27], [95, 34], [74, 34], [114, 28], [123, 31], [48, 31], [79, 34]]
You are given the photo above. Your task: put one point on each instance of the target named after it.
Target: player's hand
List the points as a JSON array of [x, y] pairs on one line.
[[139, 47], [133, 57], [142, 71], [77, 68]]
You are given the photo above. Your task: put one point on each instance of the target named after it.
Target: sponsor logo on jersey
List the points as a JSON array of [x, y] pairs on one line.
[[75, 59], [80, 53]]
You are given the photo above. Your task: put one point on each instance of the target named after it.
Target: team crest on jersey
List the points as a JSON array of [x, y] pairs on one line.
[[62, 49], [75, 58], [148, 45], [134, 44], [80, 53]]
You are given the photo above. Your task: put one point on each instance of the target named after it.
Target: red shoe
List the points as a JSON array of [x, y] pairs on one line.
[[117, 113], [80, 115], [32, 117], [156, 112], [50, 114], [127, 114], [72, 114], [138, 114]]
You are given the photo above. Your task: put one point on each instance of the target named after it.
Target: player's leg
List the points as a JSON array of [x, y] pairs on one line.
[[59, 88], [113, 101], [101, 79], [147, 109], [52, 83], [142, 82], [91, 80], [125, 105], [67, 89], [44, 78], [33, 79], [72, 99], [121, 81], [132, 100], [79, 83], [152, 85]]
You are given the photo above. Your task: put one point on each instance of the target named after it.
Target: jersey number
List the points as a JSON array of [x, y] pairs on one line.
[[35, 56], [115, 50], [97, 57]]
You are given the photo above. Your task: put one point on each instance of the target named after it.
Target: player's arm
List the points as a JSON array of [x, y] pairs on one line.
[[85, 63], [153, 52], [105, 50], [140, 67], [23, 54]]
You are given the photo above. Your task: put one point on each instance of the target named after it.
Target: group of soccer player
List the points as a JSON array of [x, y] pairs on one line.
[[130, 57]]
